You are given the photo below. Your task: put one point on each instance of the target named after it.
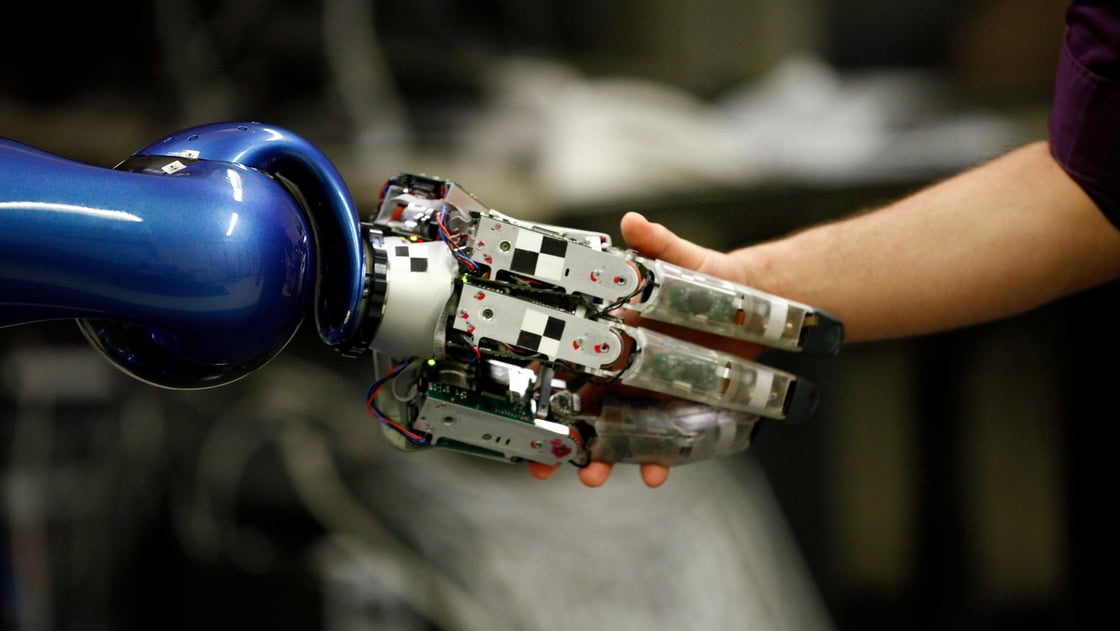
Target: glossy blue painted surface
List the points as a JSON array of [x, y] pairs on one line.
[[189, 279], [280, 152]]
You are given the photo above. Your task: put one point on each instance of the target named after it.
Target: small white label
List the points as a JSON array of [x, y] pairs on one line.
[[172, 167]]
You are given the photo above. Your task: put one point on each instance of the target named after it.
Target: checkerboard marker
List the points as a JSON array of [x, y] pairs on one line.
[[541, 332], [539, 255]]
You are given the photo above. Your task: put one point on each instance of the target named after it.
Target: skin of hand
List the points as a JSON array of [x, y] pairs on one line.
[[1000, 239]]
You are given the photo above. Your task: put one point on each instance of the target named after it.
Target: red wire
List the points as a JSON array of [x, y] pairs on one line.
[[373, 411]]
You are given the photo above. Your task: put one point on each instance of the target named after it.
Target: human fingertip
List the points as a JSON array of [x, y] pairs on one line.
[[595, 474], [629, 222], [638, 232], [541, 471], [654, 475]]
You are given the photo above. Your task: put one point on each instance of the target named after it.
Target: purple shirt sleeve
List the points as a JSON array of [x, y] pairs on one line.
[[1085, 117]]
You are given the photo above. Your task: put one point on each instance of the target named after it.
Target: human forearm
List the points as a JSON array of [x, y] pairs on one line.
[[998, 240], [995, 241]]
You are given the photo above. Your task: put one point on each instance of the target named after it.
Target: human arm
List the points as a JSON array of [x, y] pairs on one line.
[[1031, 226], [997, 240], [1000, 239]]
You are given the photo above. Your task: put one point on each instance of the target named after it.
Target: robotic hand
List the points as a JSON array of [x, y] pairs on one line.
[[493, 325], [192, 264]]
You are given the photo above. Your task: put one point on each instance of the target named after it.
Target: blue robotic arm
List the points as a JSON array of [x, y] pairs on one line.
[[193, 262]]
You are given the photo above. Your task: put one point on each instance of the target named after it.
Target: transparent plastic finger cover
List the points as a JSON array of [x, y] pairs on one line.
[[668, 434], [695, 373], [702, 302]]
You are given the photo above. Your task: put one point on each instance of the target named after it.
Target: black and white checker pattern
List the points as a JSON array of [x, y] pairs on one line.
[[417, 264], [541, 332], [539, 256]]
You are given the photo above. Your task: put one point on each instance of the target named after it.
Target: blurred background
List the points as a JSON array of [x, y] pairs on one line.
[[953, 481]]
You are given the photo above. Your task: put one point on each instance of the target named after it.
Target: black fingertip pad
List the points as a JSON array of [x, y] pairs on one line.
[[802, 401], [757, 429], [826, 337]]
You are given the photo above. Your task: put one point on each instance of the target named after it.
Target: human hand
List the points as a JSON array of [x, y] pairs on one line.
[[655, 241], [658, 242]]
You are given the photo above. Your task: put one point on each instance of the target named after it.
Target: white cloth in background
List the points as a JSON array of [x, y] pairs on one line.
[[590, 140]]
